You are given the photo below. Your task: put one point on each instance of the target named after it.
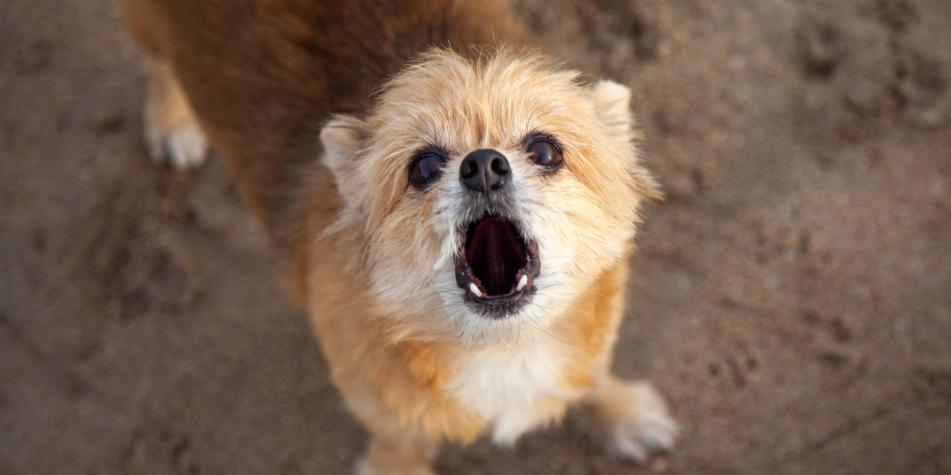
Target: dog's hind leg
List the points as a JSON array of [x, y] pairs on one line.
[[171, 130]]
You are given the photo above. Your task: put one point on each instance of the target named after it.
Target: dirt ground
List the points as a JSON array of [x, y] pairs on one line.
[[791, 298]]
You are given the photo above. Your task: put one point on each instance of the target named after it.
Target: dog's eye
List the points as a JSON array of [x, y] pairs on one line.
[[545, 153], [425, 168]]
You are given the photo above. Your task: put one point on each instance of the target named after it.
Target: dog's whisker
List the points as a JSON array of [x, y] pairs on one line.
[[535, 326]]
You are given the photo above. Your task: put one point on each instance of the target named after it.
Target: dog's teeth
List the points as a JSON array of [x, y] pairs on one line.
[[475, 290], [522, 283]]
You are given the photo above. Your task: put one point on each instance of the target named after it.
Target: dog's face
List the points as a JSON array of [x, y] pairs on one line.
[[491, 192]]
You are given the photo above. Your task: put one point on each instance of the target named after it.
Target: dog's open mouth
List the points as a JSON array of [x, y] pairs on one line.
[[497, 266]]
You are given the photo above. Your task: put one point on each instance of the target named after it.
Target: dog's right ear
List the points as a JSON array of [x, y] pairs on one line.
[[342, 139]]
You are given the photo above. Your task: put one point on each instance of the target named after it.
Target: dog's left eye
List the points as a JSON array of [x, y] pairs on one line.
[[545, 152], [425, 168]]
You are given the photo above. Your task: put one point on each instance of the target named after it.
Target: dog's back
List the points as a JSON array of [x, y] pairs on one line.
[[263, 75]]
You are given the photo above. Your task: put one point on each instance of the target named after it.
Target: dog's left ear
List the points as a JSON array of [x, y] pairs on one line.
[[342, 138], [612, 101]]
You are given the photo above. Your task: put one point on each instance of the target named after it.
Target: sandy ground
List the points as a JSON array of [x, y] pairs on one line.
[[792, 297]]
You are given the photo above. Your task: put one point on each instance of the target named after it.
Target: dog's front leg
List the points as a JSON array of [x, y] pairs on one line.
[[398, 454]]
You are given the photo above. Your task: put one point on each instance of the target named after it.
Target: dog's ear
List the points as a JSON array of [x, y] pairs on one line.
[[612, 102], [342, 138]]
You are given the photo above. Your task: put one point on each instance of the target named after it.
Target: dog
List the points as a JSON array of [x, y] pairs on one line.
[[454, 210]]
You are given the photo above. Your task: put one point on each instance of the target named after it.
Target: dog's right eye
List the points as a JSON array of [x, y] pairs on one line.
[[425, 168]]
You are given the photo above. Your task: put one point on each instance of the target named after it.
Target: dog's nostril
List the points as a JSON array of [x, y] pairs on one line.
[[500, 166], [469, 169]]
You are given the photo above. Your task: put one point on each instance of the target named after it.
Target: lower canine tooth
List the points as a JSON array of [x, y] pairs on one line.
[[522, 283], [475, 290]]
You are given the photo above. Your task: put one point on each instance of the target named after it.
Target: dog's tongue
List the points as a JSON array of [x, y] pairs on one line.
[[495, 253]]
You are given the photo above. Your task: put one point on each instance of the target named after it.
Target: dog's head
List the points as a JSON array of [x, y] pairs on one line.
[[491, 191]]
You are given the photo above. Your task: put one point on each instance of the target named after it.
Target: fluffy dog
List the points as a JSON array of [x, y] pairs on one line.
[[455, 213]]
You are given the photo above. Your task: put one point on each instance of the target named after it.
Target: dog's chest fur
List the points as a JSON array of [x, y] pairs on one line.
[[513, 389]]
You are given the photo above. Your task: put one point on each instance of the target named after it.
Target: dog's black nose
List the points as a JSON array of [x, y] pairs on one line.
[[484, 170]]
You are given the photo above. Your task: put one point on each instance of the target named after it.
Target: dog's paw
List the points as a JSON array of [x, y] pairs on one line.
[[632, 421], [183, 146], [364, 467], [171, 129]]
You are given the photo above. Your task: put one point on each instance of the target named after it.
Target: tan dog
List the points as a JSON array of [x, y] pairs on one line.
[[460, 238]]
